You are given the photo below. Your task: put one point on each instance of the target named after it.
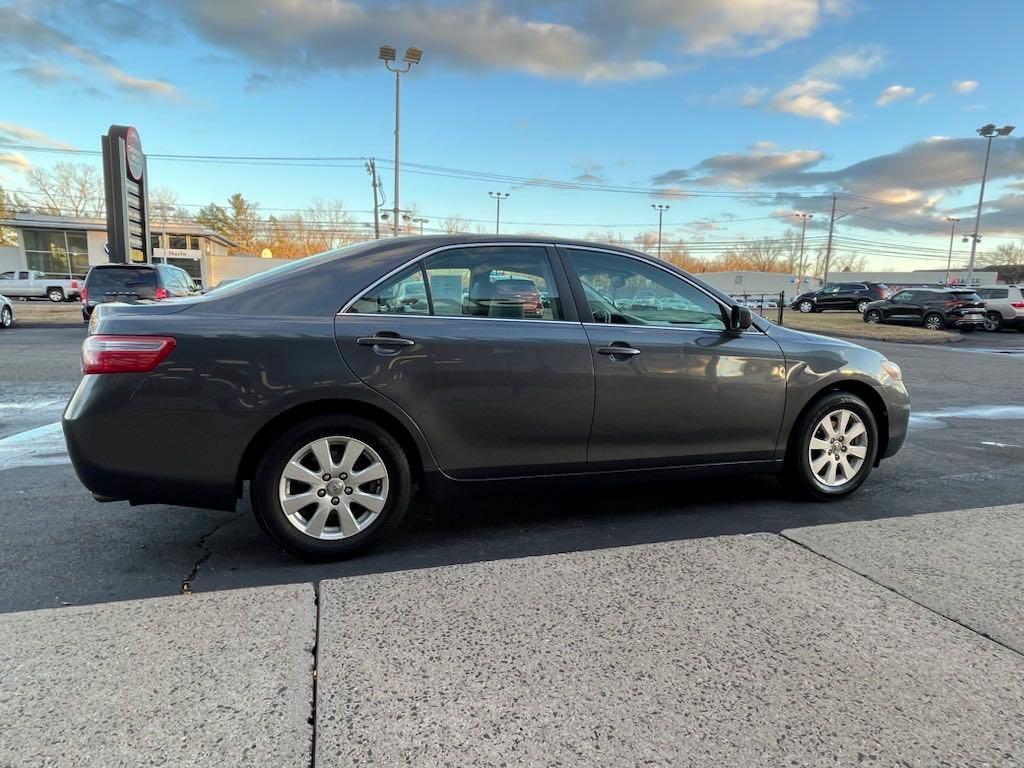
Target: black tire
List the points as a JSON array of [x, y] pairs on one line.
[[862, 305], [994, 322], [798, 469], [931, 316], [56, 295], [806, 306], [873, 316], [264, 487], [6, 317]]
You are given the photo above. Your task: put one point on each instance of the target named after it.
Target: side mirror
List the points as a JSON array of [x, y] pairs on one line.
[[740, 318]]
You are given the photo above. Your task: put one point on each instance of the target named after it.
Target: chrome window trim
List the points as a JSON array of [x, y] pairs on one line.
[[345, 309], [457, 317]]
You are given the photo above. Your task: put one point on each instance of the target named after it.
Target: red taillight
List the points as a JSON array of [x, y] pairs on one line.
[[161, 293], [1017, 304], [124, 354], [85, 295], [74, 284]]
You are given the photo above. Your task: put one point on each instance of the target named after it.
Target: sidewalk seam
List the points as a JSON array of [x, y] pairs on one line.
[[907, 597]]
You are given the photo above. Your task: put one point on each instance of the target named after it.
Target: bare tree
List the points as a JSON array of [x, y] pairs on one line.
[[763, 255], [851, 261], [455, 224], [66, 189], [8, 236], [1008, 261]]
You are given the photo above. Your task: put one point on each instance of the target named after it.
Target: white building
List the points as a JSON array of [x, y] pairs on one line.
[[751, 283], [68, 246]]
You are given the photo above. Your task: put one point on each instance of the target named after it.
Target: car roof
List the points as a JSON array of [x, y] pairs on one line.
[[125, 266]]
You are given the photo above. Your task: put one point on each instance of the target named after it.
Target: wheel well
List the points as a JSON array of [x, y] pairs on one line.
[[54, 288], [262, 440], [866, 393]]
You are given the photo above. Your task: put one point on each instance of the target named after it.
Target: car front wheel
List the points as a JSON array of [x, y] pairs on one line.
[[873, 316], [834, 447], [6, 317], [328, 488], [805, 306]]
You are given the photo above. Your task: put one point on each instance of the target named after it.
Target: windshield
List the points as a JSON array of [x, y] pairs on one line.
[[135, 281]]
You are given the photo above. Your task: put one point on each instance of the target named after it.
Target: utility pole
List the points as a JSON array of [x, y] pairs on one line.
[[828, 247], [498, 197], [371, 168], [949, 259], [388, 54], [660, 208], [803, 231], [989, 132]]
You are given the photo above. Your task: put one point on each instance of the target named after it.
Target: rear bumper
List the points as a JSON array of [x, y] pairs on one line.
[[118, 452]]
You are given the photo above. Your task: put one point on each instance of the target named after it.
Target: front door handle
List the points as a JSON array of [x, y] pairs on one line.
[[384, 341], [618, 349]]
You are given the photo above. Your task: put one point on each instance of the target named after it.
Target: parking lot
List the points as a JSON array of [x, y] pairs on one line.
[[861, 609]]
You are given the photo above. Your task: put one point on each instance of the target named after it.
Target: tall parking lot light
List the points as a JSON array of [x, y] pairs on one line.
[[498, 197], [388, 55], [952, 231], [989, 132], [660, 208], [803, 231]]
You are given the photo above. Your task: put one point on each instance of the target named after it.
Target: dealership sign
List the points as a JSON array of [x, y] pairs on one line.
[[126, 188]]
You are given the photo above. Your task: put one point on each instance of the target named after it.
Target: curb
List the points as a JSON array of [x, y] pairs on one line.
[[943, 338]]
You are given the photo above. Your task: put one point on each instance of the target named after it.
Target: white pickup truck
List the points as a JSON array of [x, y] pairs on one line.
[[28, 283]]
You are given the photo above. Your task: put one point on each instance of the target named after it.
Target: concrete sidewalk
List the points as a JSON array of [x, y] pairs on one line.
[[732, 651]]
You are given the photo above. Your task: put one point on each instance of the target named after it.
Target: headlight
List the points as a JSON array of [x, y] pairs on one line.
[[894, 371]]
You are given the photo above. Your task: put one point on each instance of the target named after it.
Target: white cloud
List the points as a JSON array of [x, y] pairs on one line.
[[12, 133], [622, 71], [849, 63], [15, 160], [924, 98], [894, 93], [807, 99], [965, 86]]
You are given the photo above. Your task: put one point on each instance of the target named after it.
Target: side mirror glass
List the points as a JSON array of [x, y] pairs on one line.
[[740, 319]]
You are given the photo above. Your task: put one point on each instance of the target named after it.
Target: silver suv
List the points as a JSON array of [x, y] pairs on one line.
[[1004, 305]]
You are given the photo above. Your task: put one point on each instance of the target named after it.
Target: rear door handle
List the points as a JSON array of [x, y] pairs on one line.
[[384, 341], [618, 349]]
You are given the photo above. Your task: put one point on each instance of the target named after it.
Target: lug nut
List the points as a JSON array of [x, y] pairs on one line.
[[348, 491], [335, 500], [327, 477], [321, 492], [343, 476]]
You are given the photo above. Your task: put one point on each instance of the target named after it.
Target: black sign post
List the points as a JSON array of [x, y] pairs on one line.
[[127, 192]]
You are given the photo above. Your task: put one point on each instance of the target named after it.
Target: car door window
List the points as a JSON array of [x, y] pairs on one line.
[[6, 275], [903, 297], [405, 294], [624, 290]]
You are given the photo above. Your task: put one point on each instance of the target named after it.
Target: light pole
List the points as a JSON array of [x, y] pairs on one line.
[[498, 197], [412, 56], [660, 208], [989, 132], [803, 231], [952, 231], [421, 221], [831, 226]]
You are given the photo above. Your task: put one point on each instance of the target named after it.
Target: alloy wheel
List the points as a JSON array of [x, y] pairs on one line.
[[993, 321], [838, 448], [333, 488], [861, 306], [805, 306], [5, 317], [873, 317], [933, 323]]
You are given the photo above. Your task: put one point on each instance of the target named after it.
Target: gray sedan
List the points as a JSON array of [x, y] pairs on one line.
[[340, 385]]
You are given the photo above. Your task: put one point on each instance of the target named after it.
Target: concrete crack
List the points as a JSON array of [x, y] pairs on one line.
[[905, 596], [316, 670], [186, 585]]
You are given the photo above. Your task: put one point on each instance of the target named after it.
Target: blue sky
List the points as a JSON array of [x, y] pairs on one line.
[[708, 106]]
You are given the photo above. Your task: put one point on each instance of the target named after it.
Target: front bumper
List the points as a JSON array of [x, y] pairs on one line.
[[897, 409]]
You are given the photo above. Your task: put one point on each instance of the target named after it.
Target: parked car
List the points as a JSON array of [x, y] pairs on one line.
[[757, 302], [134, 284], [334, 401], [6, 312], [934, 308], [841, 296], [33, 284], [1004, 306]]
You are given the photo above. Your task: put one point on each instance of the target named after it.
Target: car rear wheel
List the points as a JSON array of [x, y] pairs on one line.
[[805, 306], [993, 321], [873, 316], [6, 317], [56, 295], [933, 321], [328, 488], [862, 305], [833, 448]]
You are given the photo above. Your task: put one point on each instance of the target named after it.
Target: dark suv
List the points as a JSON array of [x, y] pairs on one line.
[[134, 284], [934, 308], [840, 296]]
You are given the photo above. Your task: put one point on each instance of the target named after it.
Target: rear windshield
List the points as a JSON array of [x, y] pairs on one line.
[[966, 296], [121, 281]]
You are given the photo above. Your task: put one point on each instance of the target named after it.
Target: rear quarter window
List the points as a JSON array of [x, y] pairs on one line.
[[994, 293]]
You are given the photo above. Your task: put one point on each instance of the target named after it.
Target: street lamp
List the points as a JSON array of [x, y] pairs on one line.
[[952, 232], [804, 217], [989, 132], [498, 197], [421, 221], [831, 227], [388, 55], [660, 208]]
